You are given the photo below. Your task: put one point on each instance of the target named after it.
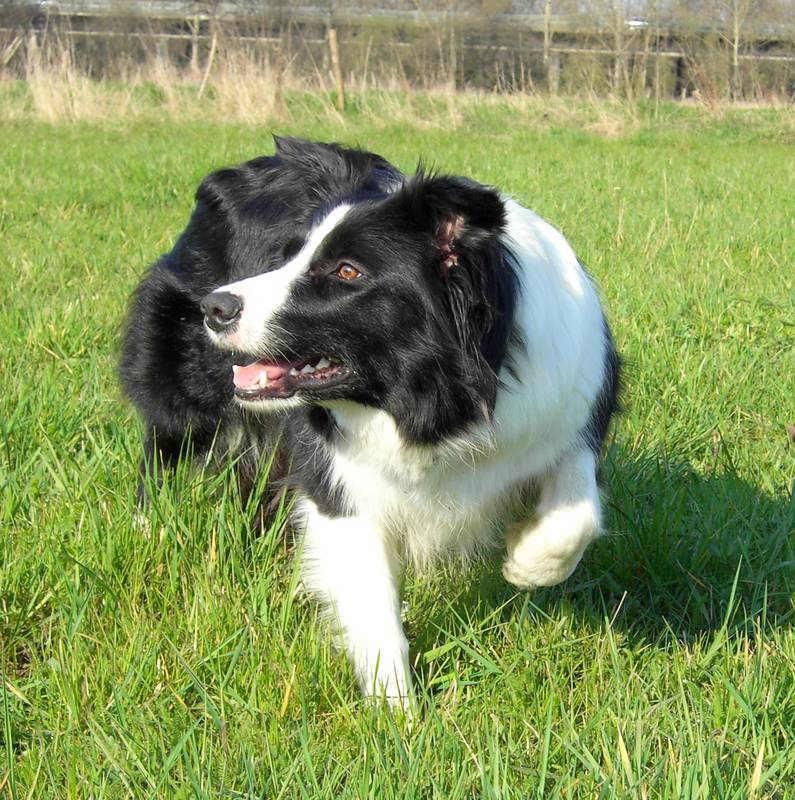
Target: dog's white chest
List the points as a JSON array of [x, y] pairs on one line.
[[429, 500]]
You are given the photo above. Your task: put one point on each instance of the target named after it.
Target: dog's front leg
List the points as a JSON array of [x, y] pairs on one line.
[[348, 564], [546, 550]]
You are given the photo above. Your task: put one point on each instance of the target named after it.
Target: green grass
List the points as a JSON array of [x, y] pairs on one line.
[[180, 664]]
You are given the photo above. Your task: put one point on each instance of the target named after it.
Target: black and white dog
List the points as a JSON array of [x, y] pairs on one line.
[[427, 353]]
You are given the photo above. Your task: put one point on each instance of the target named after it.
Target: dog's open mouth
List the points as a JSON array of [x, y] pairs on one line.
[[269, 380]]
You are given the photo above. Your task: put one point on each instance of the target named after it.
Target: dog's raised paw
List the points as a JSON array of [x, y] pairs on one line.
[[544, 570]]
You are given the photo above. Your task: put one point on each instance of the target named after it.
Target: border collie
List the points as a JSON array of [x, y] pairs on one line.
[[429, 358]]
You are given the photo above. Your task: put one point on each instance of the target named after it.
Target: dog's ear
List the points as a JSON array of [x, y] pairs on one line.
[[219, 189], [459, 215], [464, 220], [200, 253]]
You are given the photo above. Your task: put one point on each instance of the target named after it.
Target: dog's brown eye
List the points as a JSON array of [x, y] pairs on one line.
[[347, 272]]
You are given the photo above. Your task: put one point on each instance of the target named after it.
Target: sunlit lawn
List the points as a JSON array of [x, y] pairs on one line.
[[179, 663]]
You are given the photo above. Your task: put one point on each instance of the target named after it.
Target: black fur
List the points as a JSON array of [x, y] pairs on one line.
[[607, 403], [247, 220], [397, 294], [424, 335], [432, 359]]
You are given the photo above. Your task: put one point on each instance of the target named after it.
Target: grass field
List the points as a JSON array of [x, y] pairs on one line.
[[181, 665]]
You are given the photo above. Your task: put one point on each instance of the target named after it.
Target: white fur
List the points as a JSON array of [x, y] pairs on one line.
[[349, 565], [417, 503], [546, 550], [455, 497], [413, 503]]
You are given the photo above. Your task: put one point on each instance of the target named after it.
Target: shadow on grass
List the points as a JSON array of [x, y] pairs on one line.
[[684, 555]]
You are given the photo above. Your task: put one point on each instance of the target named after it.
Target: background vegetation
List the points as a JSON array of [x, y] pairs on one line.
[[708, 51], [178, 662]]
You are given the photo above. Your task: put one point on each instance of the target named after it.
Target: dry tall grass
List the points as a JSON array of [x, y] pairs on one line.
[[237, 85], [247, 86], [244, 86]]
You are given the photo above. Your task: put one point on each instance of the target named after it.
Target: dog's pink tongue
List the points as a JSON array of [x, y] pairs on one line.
[[246, 376]]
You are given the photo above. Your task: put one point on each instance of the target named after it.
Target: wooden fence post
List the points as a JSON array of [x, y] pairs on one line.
[[334, 50], [553, 73], [194, 44], [547, 43], [280, 65], [210, 59], [619, 63]]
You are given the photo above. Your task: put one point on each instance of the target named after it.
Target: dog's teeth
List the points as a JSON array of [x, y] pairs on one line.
[[323, 363], [235, 369], [263, 379], [307, 370], [293, 371]]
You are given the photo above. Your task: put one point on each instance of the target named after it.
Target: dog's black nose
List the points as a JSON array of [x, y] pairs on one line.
[[221, 310]]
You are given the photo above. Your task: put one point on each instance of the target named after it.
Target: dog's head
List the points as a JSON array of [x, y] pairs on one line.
[[400, 300]]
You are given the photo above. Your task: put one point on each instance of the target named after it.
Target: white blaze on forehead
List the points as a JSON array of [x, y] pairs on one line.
[[264, 295]]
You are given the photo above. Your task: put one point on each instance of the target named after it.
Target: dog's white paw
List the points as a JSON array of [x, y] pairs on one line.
[[389, 681], [546, 553], [529, 572], [399, 699]]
